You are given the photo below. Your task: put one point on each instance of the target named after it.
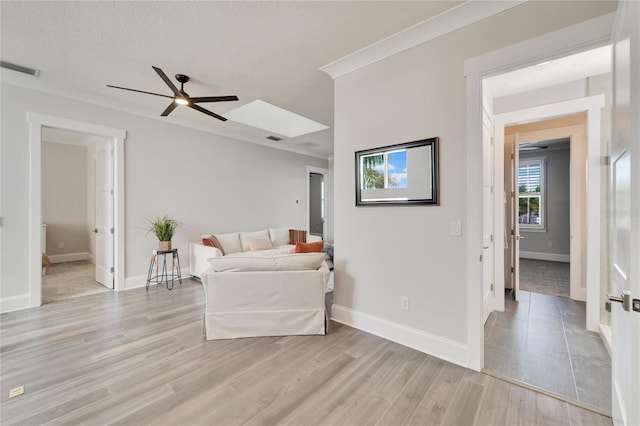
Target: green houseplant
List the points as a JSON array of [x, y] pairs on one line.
[[163, 227]]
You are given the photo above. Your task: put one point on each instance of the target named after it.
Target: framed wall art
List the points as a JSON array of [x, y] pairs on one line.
[[405, 174]]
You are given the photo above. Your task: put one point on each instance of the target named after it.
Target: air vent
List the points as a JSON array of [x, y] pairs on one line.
[[274, 138], [20, 68]]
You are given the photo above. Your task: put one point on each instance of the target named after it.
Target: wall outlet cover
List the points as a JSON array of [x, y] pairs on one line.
[[16, 391], [404, 303]]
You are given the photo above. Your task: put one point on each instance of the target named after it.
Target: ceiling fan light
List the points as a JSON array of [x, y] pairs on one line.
[[181, 101]]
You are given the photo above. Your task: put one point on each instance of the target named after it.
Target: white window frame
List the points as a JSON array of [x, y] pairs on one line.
[[386, 166], [542, 226]]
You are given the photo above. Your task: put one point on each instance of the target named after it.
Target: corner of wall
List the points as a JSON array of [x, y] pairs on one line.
[[430, 344]]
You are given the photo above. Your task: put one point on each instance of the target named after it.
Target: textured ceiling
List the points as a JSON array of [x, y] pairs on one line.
[[256, 50]]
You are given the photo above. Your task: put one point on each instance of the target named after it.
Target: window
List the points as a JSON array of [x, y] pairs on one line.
[[384, 170], [531, 193]]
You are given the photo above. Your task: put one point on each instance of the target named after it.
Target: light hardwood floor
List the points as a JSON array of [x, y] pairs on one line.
[[137, 357]]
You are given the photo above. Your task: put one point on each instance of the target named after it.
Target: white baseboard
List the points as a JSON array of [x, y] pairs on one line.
[[14, 303], [70, 257], [135, 282], [141, 280], [605, 335], [545, 256], [422, 341]]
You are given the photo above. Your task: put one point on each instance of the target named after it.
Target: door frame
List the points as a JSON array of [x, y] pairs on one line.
[[324, 173], [578, 198], [489, 199], [35, 123], [573, 39]]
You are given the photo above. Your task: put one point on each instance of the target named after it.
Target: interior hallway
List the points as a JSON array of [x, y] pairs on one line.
[[542, 341]]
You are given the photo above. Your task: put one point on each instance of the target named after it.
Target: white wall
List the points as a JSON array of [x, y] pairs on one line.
[[383, 253], [330, 189], [64, 198], [210, 183]]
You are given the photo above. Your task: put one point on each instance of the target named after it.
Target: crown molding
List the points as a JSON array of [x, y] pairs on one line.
[[13, 78], [448, 21]]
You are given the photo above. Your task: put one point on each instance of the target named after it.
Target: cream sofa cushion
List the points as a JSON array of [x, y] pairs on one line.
[[246, 236], [276, 262], [230, 242], [257, 244], [289, 249], [279, 236]]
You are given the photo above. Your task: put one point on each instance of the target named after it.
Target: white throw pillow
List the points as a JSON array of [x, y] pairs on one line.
[[279, 262], [256, 244], [246, 236], [279, 236], [230, 242]]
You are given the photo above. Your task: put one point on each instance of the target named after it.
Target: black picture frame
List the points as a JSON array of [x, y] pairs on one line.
[[378, 183]]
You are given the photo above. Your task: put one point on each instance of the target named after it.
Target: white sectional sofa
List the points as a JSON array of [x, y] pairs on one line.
[[267, 291], [237, 244], [278, 295]]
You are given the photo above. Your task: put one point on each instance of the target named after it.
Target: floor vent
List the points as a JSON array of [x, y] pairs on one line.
[[19, 68]]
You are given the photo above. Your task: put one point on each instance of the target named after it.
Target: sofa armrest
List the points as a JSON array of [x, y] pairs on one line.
[[198, 255]]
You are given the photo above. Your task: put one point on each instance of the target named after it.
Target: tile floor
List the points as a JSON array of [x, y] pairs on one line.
[[542, 341], [543, 276]]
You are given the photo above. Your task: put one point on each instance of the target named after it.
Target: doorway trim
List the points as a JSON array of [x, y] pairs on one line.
[[36, 122], [324, 173], [573, 39]]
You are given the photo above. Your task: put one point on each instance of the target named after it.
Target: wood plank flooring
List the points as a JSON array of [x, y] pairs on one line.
[[137, 357]]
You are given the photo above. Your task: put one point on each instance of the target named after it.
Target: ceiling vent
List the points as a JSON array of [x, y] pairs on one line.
[[20, 68], [274, 138]]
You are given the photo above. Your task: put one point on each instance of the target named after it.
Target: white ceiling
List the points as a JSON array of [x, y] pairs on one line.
[[550, 73], [257, 50]]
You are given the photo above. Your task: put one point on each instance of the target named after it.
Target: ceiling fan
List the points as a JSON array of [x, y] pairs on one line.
[[181, 97]]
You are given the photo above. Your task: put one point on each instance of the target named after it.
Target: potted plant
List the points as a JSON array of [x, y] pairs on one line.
[[163, 227]]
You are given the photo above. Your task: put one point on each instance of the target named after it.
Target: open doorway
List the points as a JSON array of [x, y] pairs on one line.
[[541, 338], [316, 204], [109, 200], [72, 181], [543, 213], [317, 201]]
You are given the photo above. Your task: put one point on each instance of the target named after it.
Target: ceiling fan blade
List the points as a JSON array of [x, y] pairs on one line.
[[170, 108], [204, 111], [164, 78], [214, 99], [139, 91]]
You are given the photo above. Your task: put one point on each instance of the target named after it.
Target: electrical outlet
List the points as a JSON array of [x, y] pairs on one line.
[[404, 303], [16, 391], [60, 245], [549, 244]]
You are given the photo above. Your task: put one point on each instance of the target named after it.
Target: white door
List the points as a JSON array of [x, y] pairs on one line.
[[104, 214], [624, 220], [487, 217], [515, 224]]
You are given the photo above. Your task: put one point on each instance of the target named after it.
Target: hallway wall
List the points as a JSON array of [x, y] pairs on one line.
[[64, 198]]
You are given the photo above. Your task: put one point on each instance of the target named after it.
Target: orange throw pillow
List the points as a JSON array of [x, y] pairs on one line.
[[309, 247]]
